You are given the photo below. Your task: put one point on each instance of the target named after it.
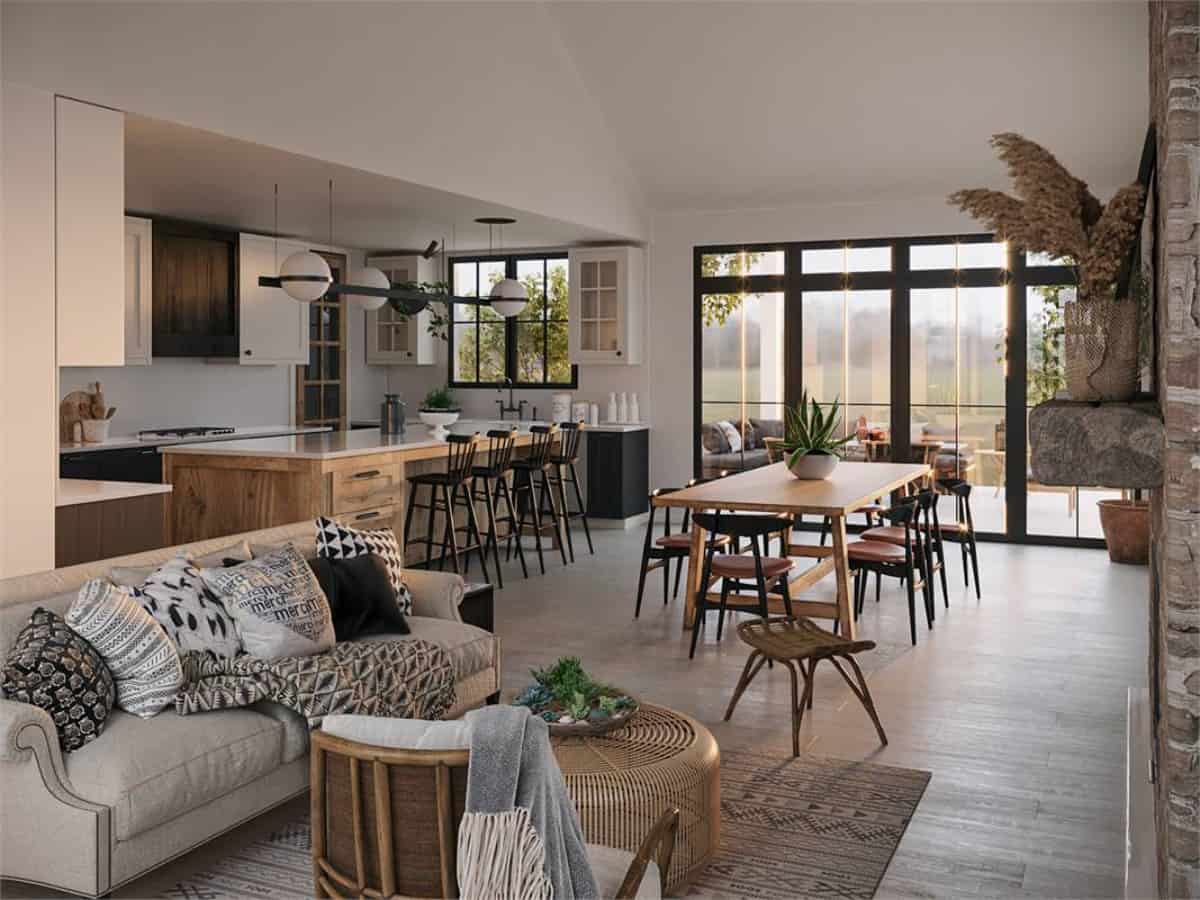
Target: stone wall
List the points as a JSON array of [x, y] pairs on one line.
[[1175, 619]]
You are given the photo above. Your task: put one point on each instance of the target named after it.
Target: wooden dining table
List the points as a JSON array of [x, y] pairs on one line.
[[773, 489]]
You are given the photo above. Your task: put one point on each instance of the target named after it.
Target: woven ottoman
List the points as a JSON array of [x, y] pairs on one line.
[[621, 782]]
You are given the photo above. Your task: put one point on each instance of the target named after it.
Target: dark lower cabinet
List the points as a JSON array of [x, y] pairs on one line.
[[478, 606], [86, 532], [140, 464], [618, 473]]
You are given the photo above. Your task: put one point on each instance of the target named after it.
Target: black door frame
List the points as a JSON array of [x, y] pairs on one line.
[[901, 281]]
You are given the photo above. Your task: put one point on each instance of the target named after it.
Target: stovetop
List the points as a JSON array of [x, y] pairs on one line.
[[154, 434]]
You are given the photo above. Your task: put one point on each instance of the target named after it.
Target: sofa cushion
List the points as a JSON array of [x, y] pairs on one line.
[[471, 649], [144, 662], [277, 604], [609, 866], [150, 771], [187, 609], [295, 728], [53, 668], [337, 541]]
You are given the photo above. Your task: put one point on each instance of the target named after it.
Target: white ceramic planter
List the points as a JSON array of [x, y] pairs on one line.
[[95, 431], [813, 467], [437, 422]]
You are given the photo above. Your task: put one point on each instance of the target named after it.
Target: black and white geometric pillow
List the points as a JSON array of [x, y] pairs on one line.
[[51, 666], [188, 609], [336, 541]]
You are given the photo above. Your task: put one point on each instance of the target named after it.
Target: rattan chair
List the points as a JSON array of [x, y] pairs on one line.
[[385, 823]]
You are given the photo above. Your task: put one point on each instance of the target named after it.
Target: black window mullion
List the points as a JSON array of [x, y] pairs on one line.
[[901, 378], [1015, 392]]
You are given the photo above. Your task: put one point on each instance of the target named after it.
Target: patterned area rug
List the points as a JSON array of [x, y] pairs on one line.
[[807, 827]]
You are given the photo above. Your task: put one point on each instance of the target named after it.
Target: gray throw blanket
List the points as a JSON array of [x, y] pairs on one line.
[[410, 679], [519, 816]]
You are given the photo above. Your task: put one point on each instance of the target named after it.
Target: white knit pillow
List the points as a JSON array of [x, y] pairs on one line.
[[143, 660]]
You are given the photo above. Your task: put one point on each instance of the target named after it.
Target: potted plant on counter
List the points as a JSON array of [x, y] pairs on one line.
[[439, 410], [810, 445]]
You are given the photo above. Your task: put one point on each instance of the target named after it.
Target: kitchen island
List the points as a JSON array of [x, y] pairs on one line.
[[358, 477]]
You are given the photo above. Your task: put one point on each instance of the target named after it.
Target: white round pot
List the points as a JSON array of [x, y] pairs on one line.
[[437, 420], [95, 431], [813, 466]]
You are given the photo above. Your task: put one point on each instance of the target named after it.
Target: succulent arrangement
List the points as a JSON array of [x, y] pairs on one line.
[[811, 431], [440, 399], [564, 694]]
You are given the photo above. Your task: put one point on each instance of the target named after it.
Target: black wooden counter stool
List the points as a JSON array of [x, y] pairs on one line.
[[444, 488], [736, 570], [532, 492], [562, 471], [489, 485]]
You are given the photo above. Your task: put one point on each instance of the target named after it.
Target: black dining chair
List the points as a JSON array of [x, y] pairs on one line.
[[927, 530], [962, 530], [902, 559], [739, 572], [657, 552]]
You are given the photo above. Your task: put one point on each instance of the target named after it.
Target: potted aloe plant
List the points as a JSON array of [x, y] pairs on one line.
[[810, 444]]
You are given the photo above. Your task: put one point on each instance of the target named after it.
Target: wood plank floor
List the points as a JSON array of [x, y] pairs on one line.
[[1015, 703]]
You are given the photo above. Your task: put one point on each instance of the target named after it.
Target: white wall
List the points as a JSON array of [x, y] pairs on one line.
[[673, 237], [28, 404], [419, 91]]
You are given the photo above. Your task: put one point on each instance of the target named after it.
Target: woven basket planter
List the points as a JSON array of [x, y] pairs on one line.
[[1100, 349], [1126, 525]]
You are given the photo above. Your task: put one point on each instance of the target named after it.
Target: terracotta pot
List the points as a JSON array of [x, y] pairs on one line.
[[1126, 525], [813, 466]]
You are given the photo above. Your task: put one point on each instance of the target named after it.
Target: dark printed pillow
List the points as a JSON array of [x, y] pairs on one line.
[[336, 541], [187, 609], [51, 666], [360, 594]]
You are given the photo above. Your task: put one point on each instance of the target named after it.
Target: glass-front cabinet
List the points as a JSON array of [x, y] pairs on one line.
[[393, 338], [605, 320]]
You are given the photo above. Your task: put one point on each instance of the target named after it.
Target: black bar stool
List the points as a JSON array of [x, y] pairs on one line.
[[562, 472], [532, 492], [489, 484], [444, 489], [733, 569]]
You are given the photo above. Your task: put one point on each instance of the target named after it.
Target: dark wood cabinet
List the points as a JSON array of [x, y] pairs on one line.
[[195, 290], [90, 531]]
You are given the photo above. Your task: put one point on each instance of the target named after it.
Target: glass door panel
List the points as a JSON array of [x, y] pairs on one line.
[[742, 379]]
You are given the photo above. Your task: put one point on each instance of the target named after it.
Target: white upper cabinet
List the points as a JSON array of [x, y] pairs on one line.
[[139, 321], [394, 339], [89, 196], [605, 315], [272, 327]]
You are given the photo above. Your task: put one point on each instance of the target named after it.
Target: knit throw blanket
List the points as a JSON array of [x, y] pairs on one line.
[[520, 838], [411, 679]]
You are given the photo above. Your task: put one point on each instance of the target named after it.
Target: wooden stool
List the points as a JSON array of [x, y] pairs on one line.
[[489, 484], [792, 642]]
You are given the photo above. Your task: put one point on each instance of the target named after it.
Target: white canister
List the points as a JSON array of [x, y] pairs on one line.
[[612, 407], [635, 412], [95, 431], [594, 414], [560, 405], [623, 408], [580, 411]]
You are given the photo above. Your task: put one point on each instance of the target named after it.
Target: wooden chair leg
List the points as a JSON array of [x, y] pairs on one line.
[[797, 707], [493, 532], [473, 532], [975, 566], [754, 662], [861, 691], [678, 573], [587, 531], [812, 679], [514, 526]]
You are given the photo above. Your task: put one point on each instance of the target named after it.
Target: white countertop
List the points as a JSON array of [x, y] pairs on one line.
[[359, 442], [74, 491], [125, 442]]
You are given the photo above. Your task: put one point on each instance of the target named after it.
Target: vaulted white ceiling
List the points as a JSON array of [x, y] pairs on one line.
[[746, 104]]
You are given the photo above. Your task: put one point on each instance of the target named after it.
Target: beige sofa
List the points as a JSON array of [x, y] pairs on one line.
[[148, 790]]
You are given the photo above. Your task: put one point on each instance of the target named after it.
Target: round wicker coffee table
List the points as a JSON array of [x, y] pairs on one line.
[[622, 781]]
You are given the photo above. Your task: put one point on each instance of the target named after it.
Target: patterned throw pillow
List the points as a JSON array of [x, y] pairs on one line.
[[277, 604], [187, 609], [336, 541], [51, 666], [143, 660]]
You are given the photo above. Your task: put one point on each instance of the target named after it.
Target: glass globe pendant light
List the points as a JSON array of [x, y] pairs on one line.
[[304, 276], [370, 276], [508, 296]]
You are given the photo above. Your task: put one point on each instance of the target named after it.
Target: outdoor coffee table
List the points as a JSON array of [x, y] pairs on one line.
[[622, 781]]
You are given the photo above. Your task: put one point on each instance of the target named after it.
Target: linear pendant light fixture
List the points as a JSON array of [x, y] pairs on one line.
[[508, 295]]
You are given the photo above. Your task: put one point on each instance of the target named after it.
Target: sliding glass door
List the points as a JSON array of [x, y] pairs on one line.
[[936, 348]]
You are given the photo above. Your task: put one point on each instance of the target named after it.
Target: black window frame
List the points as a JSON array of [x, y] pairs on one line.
[[900, 280], [511, 327]]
